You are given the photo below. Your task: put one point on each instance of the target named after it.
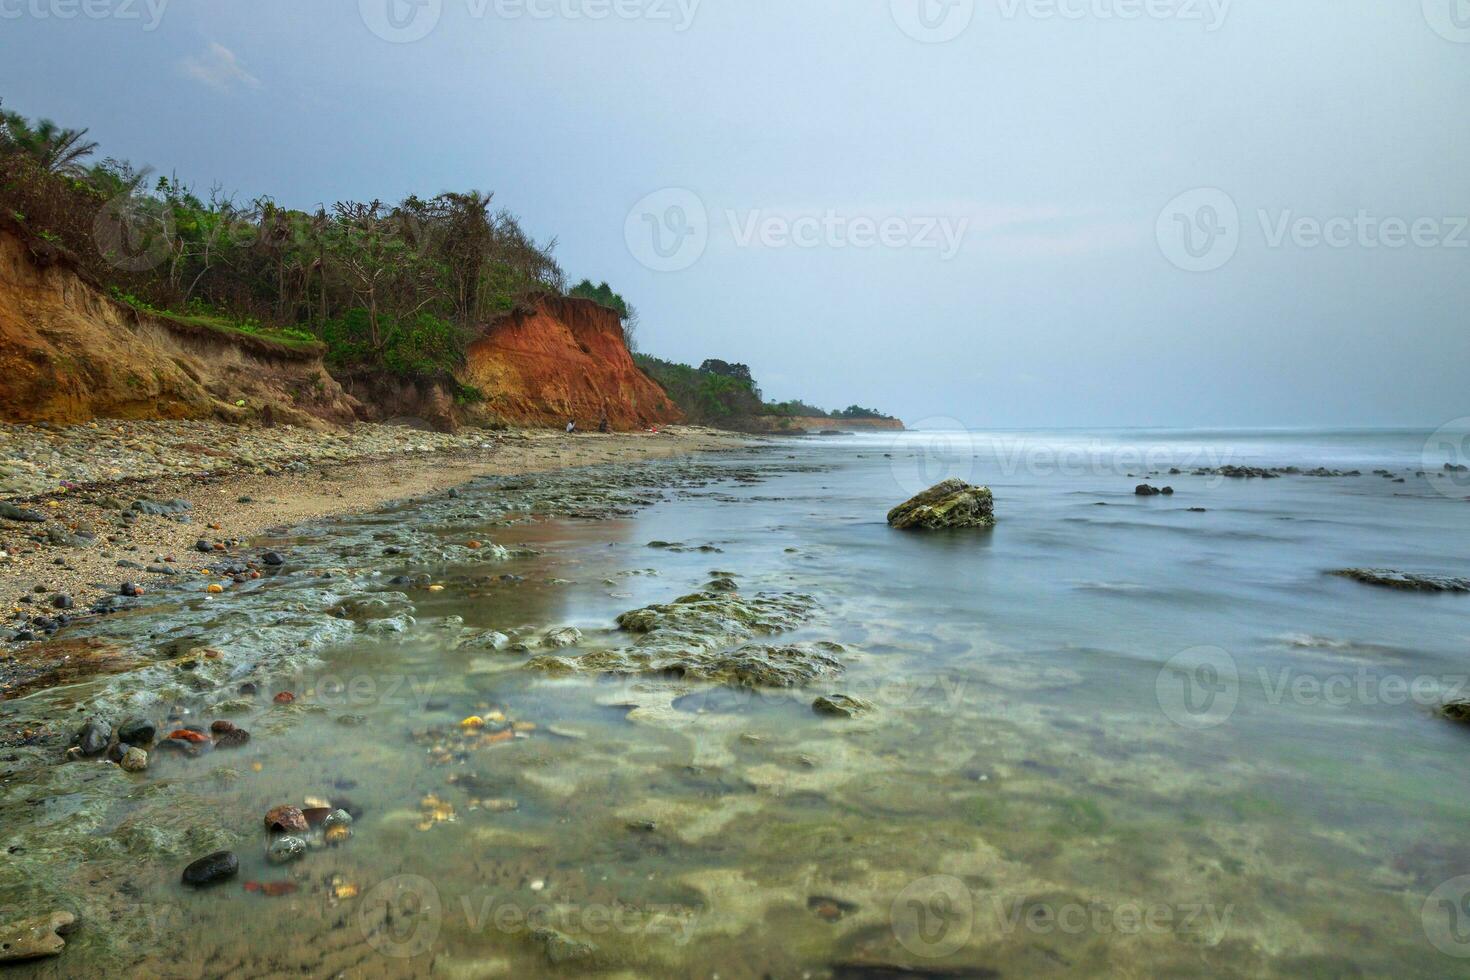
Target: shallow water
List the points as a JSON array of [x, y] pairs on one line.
[[1112, 735]]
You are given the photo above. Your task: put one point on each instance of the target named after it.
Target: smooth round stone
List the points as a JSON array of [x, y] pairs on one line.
[[284, 850], [134, 760], [212, 868], [93, 737], [137, 731]]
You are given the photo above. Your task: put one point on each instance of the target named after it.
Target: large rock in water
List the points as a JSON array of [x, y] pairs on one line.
[[953, 503]]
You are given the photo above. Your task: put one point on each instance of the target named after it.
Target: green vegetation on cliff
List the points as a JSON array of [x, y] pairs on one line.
[[395, 289], [383, 287]]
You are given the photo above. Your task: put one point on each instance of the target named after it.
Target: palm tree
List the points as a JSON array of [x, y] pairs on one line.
[[57, 150]]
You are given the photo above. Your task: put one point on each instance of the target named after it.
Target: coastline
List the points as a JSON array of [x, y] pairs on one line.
[[89, 529]]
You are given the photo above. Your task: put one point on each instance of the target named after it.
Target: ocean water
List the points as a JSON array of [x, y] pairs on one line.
[[1112, 736]]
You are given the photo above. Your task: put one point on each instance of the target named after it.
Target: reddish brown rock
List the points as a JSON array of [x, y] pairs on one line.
[[286, 820]]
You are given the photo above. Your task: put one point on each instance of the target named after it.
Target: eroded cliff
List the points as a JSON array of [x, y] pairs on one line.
[[559, 358], [69, 353]]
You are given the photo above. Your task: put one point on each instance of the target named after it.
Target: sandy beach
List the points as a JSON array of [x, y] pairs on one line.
[[92, 540]]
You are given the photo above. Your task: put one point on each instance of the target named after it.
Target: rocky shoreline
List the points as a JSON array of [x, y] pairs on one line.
[[116, 508]]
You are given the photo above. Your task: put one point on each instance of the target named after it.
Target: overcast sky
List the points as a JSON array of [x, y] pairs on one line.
[[1006, 212]]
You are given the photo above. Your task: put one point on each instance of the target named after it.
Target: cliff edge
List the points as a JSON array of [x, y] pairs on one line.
[[558, 358], [70, 353]]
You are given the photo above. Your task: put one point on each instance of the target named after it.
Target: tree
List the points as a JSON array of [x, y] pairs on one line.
[[57, 150], [603, 294]]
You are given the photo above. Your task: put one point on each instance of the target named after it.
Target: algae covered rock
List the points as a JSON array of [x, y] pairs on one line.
[[951, 504], [1404, 581], [747, 665], [712, 635], [842, 706], [35, 937]]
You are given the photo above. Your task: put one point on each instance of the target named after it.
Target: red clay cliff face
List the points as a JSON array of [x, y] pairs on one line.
[[69, 353], [561, 358]]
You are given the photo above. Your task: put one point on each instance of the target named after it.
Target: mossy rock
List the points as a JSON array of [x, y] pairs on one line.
[[951, 504]]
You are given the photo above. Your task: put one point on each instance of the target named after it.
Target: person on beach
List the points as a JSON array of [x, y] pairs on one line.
[[603, 425], [571, 426]]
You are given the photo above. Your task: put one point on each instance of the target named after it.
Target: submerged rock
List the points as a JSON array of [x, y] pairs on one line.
[[1404, 581], [137, 731], [561, 948], [134, 759], [565, 636], [287, 819], [708, 636], [284, 850], [1457, 711], [748, 665], [718, 616], [212, 869], [35, 937], [93, 737], [951, 504], [842, 706], [1144, 490]]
